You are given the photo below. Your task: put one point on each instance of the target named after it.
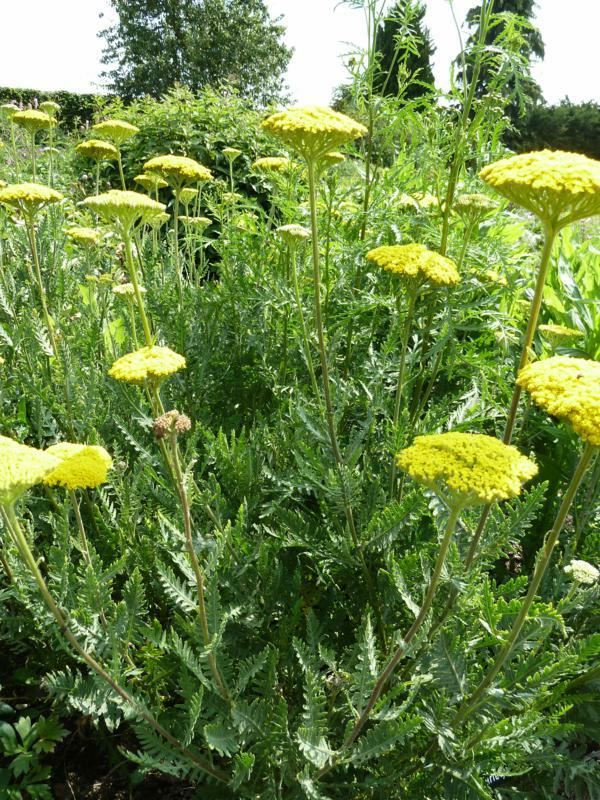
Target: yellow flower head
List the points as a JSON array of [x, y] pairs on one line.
[[28, 198], [186, 195], [9, 110], [149, 363], [127, 290], [231, 153], [158, 220], [98, 150], [81, 466], [50, 107], [558, 187], [472, 208], [418, 200], [21, 467], [415, 262], [582, 572], [559, 333], [34, 121], [200, 223], [293, 234], [150, 181], [271, 164], [332, 158], [124, 207], [116, 130], [313, 130], [84, 236], [467, 469], [178, 170], [567, 388]]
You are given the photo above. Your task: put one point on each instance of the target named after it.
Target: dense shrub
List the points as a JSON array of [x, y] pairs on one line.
[[567, 126], [76, 109]]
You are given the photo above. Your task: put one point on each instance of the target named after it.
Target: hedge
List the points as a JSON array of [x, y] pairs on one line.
[[76, 109]]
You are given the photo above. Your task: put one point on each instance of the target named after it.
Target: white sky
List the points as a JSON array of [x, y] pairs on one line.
[[52, 44]]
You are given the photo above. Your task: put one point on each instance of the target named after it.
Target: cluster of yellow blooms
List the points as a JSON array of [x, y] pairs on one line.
[[313, 130], [567, 388], [582, 572], [556, 333], [200, 223], [70, 465], [151, 181], [124, 207], [293, 234], [98, 150], [148, 363], [467, 469], [558, 187], [28, 197], [83, 235], [271, 164], [415, 262], [473, 208], [116, 130], [178, 169], [33, 121]]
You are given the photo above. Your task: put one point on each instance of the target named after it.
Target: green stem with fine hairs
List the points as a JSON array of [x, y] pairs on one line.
[[12, 524], [131, 268], [121, 173]]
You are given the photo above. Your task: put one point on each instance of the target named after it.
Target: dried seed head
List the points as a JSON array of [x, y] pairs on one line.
[[171, 422]]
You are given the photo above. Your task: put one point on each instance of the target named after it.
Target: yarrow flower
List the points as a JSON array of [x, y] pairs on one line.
[[124, 207], [178, 170], [21, 467], [98, 150], [418, 201], [196, 222], [313, 130], [34, 121], [557, 186], [81, 466], [150, 181], [271, 164], [9, 110], [293, 234], [186, 195], [127, 290], [582, 572], [82, 235], [171, 422], [467, 469], [559, 333], [149, 363], [332, 158], [28, 198], [415, 262], [117, 130], [231, 153], [50, 107], [472, 208], [567, 388]]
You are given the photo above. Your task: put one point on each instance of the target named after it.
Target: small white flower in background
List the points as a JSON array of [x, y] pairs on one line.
[[582, 572]]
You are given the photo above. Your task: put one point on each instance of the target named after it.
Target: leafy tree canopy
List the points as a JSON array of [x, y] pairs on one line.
[[156, 44]]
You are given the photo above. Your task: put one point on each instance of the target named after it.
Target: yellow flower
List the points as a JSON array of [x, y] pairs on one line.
[[149, 363], [50, 107], [178, 170], [567, 388], [82, 235], [81, 466], [231, 153], [186, 195], [127, 290], [196, 222], [293, 234], [117, 130], [557, 333], [492, 276], [467, 469], [9, 110], [415, 262], [332, 158], [558, 187], [28, 198], [33, 121], [271, 164], [98, 150], [124, 207], [150, 181], [313, 130], [472, 208], [21, 467], [419, 200]]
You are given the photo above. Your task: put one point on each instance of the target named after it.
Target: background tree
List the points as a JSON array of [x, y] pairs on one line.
[[156, 44], [513, 29], [405, 50], [567, 126]]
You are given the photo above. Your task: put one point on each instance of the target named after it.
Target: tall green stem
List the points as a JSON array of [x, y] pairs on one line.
[[121, 173], [407, 639], [412, 299], [13, 142], [534, 313], [31, 233], [543, 559], [305, 340], [131, 268], [12, 523], [33, 160]]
